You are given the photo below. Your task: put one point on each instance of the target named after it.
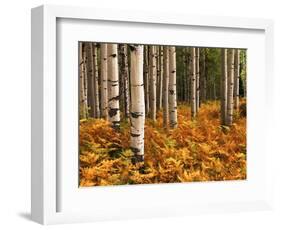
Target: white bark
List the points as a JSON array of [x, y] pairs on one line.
[[160, 77], [223, 86], [146, 78], [193, 83], [104, 93], [236, 78], [82, 98], [96, 80], [113, 86], [165, 87], [90, 78], [172, 88], [197, 54], [84, 56], [137, 103], [230, 84]]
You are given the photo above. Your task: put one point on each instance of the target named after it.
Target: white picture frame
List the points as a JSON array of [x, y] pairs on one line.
[[55, 201]]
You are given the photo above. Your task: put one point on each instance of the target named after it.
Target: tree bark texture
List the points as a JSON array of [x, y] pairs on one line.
[[197, 50], [153, 75], [82, 95], [104, 92], [137, 103], [172, 88], [96, 80], [223, 86], [90, 78], [230, 86], [113, 86], [193, 83], [236, 78], [165, 86], [125, 79]]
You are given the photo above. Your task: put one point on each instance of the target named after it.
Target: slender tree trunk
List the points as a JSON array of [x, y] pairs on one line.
[[223, 86], [236, 78], [96, 80], [104, 93], [84, 70], [165, 87], [82, 98], [137, 103], [230, 84], [188, 70], [90, 77], [203, 86], [193, 83], [172, 88], [146, 78], [125, 78], [160, 77], [245, 74], [197, 50], [152, 66], [113, 86]]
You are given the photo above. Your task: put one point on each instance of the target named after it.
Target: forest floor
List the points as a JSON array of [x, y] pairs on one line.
[[198, 150]]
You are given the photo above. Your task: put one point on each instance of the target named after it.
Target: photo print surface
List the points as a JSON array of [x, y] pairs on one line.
[[152, 114]]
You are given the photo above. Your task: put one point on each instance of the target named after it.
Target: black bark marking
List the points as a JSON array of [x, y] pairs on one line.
[[116, 125], [135, 150], [114, 98], [132, 47], [113, 55], [114, 81], [135, 135], [172, 92], [136, 114], [137, 85], [113, 112], [173, 71]]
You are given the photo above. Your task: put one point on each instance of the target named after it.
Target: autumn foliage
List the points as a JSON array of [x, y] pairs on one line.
[[198, 150]]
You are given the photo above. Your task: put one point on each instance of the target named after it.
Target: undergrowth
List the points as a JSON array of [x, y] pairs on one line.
[[198, 150]]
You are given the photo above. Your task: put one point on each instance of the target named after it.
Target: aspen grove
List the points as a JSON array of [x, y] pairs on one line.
[[160, 114]]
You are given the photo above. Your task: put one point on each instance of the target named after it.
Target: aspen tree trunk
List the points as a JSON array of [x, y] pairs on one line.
[[96, 80], [187, 76], [82, 98], [197, 50], [104, 94], [165, 86], [230, 84], [172, 88], [245, 72], [113, 86], [160, 77], [152, 72], [236, 78], [84, 56], [146, 78], [183, 77], [90, 77], [203, 87], [193, 83], [125, 78], [137, 104], [223, 86]]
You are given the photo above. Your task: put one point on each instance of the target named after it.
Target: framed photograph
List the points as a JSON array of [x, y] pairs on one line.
[[145, 114]]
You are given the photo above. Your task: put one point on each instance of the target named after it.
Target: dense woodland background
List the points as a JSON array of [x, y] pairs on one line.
[[153, 114]]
